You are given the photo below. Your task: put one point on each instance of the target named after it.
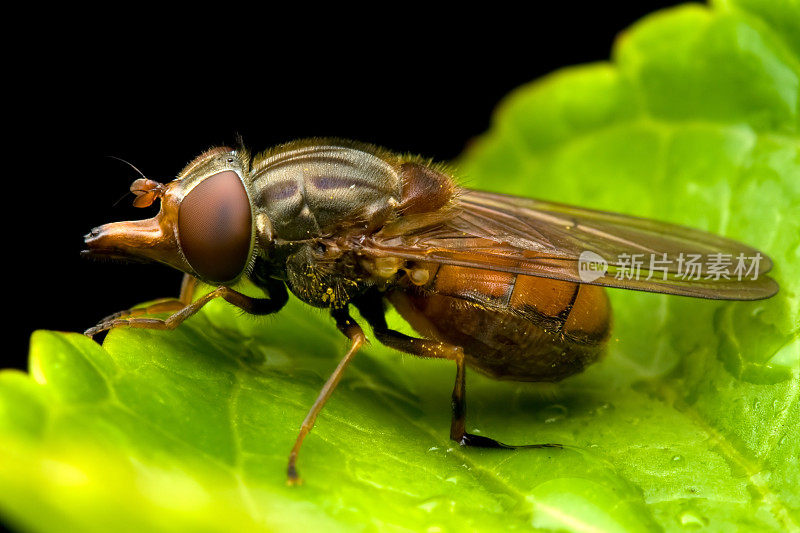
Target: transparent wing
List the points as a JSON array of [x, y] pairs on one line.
[[537, 238]]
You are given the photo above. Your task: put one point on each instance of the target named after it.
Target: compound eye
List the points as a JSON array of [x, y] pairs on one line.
[[214, 227]]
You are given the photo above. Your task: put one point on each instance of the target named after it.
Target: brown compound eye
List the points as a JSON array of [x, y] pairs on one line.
[[214, 227]]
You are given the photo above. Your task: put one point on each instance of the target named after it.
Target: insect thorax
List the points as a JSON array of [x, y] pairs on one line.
[[305, 191]]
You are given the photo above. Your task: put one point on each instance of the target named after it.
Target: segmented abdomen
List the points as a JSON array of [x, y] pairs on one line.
[[511, 326]]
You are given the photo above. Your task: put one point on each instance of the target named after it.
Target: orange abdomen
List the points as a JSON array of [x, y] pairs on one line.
[[511, 326]]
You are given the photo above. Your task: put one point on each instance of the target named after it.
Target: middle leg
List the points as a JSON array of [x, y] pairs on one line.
[[352, 331]]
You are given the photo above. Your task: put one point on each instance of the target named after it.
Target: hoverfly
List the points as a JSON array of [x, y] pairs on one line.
[[490, 281]]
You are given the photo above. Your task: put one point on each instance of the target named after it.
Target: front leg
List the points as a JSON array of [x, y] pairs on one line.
[[184, 309], [164, 305]]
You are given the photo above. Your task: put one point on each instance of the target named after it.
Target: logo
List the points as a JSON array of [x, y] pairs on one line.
[[591, 266]]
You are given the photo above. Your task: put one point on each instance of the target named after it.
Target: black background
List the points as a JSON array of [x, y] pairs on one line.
[[158, 96]]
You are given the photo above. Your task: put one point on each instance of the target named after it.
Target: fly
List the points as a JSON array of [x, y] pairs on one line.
[[511, 287]]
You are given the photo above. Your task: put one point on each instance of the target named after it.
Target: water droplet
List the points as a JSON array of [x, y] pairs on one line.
[[692, 519], [429, 505]]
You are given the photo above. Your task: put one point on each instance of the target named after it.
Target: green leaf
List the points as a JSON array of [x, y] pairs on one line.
[[690, 421]]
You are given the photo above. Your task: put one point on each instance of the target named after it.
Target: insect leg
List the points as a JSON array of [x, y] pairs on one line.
[[254, 306], [188, 286], [353, 331], [371, 308], [164, 305]]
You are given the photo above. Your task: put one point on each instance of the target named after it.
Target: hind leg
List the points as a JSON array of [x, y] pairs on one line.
[[371, 308]]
